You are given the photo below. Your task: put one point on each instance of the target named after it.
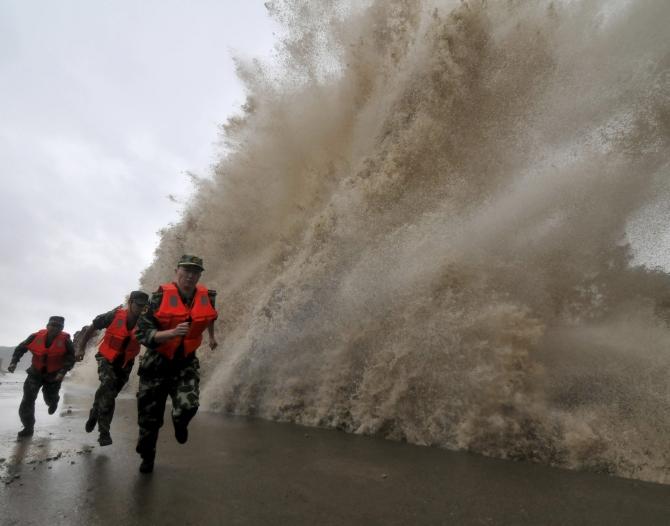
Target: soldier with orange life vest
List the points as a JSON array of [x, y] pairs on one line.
[[116, 356], [53, 357], [171, 329]]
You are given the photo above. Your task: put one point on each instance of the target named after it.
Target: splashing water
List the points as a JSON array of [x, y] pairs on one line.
[[425, 225]]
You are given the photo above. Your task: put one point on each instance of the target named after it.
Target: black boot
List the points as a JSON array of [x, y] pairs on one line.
[[181, 433], [146, 447], [92, 420], [181, 425], [24, 433], [104, 439], [147, 465], [52, 408]]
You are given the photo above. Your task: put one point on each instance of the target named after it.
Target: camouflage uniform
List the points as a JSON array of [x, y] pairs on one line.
[[113, 376], [40, 379], [161, 377]]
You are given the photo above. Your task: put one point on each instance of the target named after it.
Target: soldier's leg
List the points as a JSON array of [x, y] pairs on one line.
[[105, 396], [121, 376], [151, 397], [93, 413], [27, 408], [50, 392], [102, 375], [185, 395]]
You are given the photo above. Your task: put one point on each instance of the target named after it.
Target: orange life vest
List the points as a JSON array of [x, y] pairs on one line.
[[51, 357], [116, 336], [172, 312]]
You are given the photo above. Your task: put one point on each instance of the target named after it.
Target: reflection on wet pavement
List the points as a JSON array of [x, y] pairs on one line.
[[56, 436], [235, 470]]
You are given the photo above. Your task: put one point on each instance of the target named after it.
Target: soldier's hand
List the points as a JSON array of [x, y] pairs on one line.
[[11, 367], [181, 329], [79, 356], [59, 377], [213, 344]]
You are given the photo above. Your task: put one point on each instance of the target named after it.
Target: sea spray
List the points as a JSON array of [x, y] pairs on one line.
[[419, 228]]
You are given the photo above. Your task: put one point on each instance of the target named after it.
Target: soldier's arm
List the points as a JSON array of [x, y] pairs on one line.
[[147, 325], [178, 331], [19, 351], [102, 321], [213, 344], [81, 348], [212, 297]]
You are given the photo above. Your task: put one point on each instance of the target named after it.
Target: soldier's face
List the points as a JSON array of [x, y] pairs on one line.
[[187, 278], [53, 330], [135, 308]]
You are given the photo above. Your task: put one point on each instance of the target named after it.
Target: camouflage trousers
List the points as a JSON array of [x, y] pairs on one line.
[[183, 388], [112, 379], [31, 388]]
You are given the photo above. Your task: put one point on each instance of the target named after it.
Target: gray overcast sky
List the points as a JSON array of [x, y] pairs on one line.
[[103, 108]]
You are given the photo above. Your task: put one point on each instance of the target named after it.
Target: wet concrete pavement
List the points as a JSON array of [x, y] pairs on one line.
[[241, 471]]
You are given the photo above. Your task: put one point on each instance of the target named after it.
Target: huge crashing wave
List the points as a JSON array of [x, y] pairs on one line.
[[423, 226]]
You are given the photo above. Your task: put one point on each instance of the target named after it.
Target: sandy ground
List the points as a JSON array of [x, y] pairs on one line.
[[241, 471]]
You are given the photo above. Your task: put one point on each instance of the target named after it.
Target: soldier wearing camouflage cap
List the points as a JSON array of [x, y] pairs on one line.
[[53, 357], [171, 328], [116, 356]]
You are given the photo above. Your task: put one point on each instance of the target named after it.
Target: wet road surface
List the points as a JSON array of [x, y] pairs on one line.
[[237, 471]]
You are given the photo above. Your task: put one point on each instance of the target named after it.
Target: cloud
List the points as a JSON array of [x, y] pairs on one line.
[[105, 108]]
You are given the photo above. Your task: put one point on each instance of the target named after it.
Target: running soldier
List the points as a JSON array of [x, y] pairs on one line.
[[53, 357], [115, 357], [171, 329]]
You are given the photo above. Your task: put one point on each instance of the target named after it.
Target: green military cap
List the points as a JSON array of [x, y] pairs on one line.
[[56, 320], [188, 260], [139, 297]]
